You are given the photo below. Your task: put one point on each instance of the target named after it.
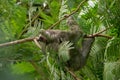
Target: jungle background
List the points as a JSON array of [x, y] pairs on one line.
[[21, 19]]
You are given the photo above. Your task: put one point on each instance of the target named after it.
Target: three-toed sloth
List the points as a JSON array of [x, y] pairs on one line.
[[79, 54]]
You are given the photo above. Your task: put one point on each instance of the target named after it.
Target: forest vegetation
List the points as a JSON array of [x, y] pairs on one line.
[[28, 28]]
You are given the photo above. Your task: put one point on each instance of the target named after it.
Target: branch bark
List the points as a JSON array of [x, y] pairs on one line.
[[17, 42]]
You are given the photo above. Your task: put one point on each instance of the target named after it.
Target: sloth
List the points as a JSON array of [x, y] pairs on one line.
[[79, 54]]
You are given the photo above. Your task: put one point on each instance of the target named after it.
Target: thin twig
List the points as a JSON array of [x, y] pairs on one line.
[[101, 31], [35, 17], [65, 17]]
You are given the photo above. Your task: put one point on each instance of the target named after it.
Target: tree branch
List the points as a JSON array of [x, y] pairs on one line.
[[17, 41], [98, 34], [77, 9]]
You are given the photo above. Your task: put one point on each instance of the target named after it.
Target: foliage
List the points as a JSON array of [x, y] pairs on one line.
[[63, 51], [20, 19], [23, 67]]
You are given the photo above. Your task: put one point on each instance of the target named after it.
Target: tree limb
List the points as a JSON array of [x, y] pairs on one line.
[[98, 34], [17, 41]]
